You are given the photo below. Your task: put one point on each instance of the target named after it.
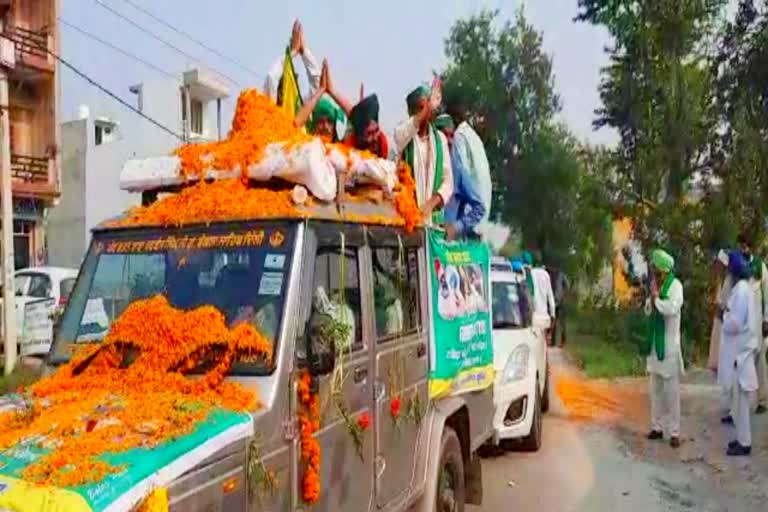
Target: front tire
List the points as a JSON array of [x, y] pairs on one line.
[[451, 493], [545, 394], [532, 442]]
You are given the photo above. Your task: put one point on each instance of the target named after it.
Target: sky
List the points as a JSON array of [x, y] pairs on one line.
[[390, 46]]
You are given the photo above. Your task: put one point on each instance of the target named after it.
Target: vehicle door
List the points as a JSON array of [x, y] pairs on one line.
[[401, 362], [335, 274]]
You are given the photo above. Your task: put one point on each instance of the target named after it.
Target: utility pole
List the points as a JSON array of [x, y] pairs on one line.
[[6, 198]]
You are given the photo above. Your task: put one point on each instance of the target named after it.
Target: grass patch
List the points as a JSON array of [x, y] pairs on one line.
[[22, 375], [605, 343], [603, 359]]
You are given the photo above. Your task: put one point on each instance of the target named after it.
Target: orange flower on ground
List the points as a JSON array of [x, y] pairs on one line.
[[131, 391]]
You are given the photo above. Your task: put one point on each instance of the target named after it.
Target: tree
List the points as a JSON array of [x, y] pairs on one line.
[[658, 92], [546, 191]]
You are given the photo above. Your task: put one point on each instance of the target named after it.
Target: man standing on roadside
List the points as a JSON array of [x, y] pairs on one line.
[[540, 286], [663, 349], [759, 285], [561, 286]]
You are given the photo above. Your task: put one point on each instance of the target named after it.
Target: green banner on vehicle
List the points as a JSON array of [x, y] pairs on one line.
[[144, 469], [462, 350]]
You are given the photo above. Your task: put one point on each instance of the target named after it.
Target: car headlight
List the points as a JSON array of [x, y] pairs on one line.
[[517, 364]]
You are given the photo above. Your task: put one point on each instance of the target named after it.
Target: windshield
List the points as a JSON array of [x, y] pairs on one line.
[[243, 273], [510, 309]]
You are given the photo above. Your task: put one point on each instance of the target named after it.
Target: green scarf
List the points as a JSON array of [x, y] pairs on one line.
[[655, 338], [529, 281], [437, 217], [756, 266]]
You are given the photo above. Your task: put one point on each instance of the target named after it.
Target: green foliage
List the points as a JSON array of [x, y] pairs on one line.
[[503, 71]]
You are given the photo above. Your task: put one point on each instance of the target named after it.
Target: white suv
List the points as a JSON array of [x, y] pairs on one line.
[[521, 390]]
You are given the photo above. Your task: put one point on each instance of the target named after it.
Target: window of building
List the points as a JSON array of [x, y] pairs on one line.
[[23, 230], [104, 132], [328, 283], [395, 292], [196, 119]]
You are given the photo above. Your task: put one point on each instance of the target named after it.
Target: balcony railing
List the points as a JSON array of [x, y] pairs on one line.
[[31, 47], [29, 169]]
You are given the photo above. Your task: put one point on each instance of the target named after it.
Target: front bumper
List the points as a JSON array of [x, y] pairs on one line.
[[513, 404]]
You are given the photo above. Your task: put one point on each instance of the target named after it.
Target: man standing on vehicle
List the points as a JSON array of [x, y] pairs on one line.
[[469, 149], [663, 349], [465, 209], [759, 285], [425, 150]]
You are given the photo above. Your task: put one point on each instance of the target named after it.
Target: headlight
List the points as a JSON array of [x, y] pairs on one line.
[[517, 364]]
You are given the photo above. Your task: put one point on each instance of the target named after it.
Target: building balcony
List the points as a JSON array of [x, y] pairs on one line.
[[33, 177], [32, 57]]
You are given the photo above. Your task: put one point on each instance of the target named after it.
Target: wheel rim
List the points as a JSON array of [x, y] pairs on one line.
[[446, 494]]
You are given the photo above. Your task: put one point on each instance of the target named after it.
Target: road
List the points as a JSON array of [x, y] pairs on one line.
[[595, 457]]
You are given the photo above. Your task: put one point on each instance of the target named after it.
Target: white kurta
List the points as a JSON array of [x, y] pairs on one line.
[[670, 308], [543, 298], [471, 151], [424, 156], [738, 341], [276, 71]]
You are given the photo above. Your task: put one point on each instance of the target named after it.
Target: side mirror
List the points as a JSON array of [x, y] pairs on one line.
[[321, 355]]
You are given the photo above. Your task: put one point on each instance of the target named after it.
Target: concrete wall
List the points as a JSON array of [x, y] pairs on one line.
[[66, 222], [91, 173]]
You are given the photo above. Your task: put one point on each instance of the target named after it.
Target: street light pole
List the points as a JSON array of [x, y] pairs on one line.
[[6, 200]]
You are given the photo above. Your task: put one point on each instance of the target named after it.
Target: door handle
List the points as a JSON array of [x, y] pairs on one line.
[[360, 374], [421, 350]]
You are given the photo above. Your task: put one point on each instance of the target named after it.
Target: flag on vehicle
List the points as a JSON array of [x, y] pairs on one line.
[[290, 87]]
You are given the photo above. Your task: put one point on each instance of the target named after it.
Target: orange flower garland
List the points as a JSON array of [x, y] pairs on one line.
[[210, 202], [309, 422], [107, 406], [405, 200], [258, 121]]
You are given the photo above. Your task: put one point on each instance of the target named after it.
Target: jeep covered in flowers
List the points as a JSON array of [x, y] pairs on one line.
[[239, 346]]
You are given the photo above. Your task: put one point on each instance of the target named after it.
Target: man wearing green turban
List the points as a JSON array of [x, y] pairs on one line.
[[662, 348], [425, 149]]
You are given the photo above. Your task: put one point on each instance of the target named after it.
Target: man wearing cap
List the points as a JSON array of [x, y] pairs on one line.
[[723, 292], [465, 209], [425, 150], [662, 347]]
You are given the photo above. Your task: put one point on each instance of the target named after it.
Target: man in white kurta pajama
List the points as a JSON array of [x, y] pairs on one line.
[[758, 283], [665, 360], [737, 373], [426, 150]]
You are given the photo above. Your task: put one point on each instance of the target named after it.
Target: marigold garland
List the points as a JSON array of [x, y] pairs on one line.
[[101, 402], [405, 199], [309, 423], [258, 121]]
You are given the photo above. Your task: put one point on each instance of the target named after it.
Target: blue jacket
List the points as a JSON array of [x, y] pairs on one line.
[[465, 209]]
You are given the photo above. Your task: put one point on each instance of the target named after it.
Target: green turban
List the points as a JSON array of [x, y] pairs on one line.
[[443, 121], [413, 98], [662, 260], [325, 107], [528, 258], [363, 113]]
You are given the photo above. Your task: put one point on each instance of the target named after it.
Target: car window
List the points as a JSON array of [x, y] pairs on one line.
[[65, 287], [21, 284], [39, 286], [337, 282], [395, 292], [509, 306]]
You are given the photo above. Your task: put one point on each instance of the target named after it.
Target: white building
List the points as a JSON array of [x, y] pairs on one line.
[[95, 147]]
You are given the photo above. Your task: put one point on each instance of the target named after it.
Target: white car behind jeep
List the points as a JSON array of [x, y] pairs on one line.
[[521, 390]]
